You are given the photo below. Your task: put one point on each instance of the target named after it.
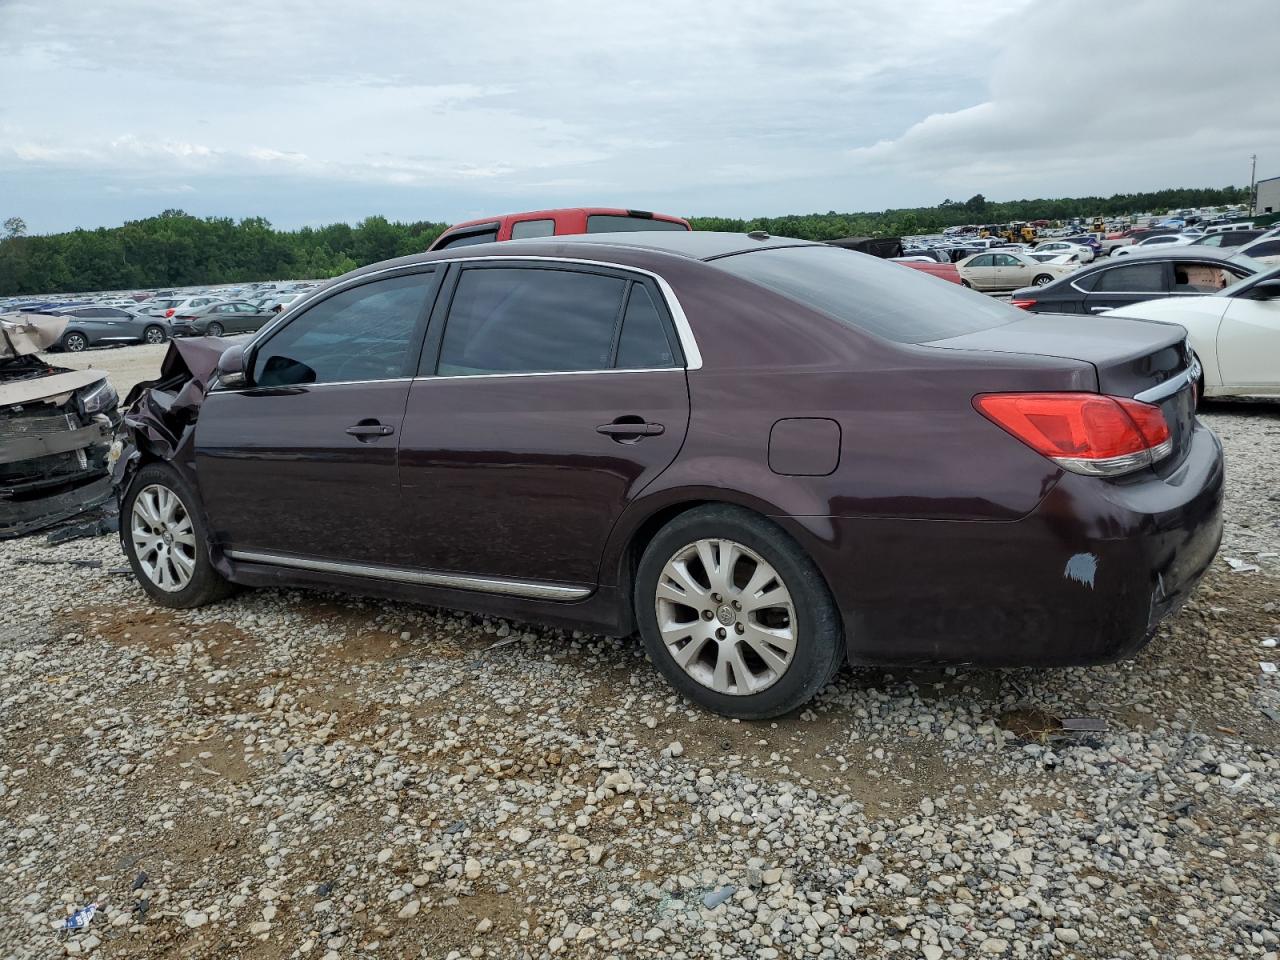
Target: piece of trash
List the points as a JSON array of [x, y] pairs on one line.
[[456, 827], [324, 889], [80, 919], [1227, 730], [717, 897], [140, 880], [141, 908], [1180, 808], [1267, 666], [95, 528], [1266, 555], [504, 642], [1240, 781], [1240, 566], [1268, 641], [1084, 724]]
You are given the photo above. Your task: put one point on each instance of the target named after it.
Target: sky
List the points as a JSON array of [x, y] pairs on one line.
[[316, 111]]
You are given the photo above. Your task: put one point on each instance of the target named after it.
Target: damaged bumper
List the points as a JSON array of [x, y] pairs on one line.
[[56, 428]]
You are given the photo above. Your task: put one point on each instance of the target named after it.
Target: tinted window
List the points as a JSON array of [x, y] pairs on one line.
[[364, 333], [1216, 240], [986, 260], [871, 294], [644, 339], [1004, 260], [1267, 248], [532, 228], [467, 239], [506, 320], [1133, 278], [612, 223]]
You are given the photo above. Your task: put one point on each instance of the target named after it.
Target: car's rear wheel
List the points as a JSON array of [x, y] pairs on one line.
[[166, 542], [735, 615], [154, 334], [74, 342], [215, 329], [1041, 280]]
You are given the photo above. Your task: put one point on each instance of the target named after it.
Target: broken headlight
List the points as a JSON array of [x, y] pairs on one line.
[[98, 398]]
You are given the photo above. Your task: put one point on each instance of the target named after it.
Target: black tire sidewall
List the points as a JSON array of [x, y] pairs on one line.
[[1043, 280], [820, 649], [206, 584], [146, 334], [73, 337], [210, 328]]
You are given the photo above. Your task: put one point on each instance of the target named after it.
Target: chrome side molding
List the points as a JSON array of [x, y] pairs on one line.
[[427, 578]]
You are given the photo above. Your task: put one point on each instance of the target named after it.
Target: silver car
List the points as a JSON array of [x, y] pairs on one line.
[[90, 326]]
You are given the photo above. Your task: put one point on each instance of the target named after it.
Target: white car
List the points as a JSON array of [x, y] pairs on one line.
[[1149, 243], [167, 307], [1234, 333], [1266, 248], [1083, 253], [997, 270]]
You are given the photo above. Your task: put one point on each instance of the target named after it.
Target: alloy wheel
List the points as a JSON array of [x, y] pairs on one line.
[[153, 335], [74, 342], [163, 537], [215, 329], [726, 617]]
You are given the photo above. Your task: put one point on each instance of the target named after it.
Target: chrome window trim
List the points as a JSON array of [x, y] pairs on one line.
[[688, 342], [499, 585], [549, 373], [1171, 386]]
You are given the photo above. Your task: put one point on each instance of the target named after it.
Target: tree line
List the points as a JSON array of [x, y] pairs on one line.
[[176, 249]]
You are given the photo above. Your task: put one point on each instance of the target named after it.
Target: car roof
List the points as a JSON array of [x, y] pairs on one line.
[[1182, 252], [558, 211], [693, 244]]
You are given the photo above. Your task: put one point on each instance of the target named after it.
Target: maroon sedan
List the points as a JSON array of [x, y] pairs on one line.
[[766, 455]]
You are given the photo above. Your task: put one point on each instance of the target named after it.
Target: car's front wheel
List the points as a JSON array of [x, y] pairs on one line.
[[166, 542], [154, 334], [74, 342], [735, 614], [215, 329]]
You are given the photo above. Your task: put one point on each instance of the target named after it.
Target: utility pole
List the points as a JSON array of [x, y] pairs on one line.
[[1253, 184]]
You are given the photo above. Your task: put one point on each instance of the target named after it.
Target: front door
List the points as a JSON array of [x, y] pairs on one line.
[[1248, 344], [303, 461], [556, 393]]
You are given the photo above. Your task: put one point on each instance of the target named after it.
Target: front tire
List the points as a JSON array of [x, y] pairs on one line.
[[735, 615], [74, 342], [154, 334], [166, 542], [214, 329]]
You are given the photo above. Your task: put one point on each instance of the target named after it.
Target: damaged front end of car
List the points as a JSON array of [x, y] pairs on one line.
[[160, 415], [56, 428]]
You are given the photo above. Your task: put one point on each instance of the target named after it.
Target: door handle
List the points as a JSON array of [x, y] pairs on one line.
[[368, 429], [630, 429]]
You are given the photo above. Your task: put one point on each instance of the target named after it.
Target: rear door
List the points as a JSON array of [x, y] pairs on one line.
[[302, 463], [981, 272], [550, 395], [1129, 281]]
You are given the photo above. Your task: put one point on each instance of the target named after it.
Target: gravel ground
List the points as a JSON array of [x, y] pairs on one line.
[[295, 774]]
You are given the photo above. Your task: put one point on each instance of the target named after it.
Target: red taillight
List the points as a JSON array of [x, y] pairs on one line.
[[170, 312], [1082, 432], [1022, 304]]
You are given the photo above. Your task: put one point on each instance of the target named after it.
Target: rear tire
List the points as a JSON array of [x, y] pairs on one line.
[[74, 342], [166, 542], [1041, 280], [766, 614], [215, 329]]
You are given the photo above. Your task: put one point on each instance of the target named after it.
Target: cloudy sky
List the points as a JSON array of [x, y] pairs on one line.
[[311, 111]]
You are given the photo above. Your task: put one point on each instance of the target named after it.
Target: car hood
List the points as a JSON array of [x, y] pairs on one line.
[[22, 334]]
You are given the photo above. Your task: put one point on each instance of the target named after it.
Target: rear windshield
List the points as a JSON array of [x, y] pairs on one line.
[[613, 223], [880, 297]]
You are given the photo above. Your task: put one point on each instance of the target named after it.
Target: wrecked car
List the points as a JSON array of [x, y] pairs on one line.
[[56, 428], [767, 456]]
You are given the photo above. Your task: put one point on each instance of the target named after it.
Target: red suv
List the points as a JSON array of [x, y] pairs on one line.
[[554, 223]]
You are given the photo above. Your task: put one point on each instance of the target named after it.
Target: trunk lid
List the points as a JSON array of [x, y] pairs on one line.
[[1144, 359]]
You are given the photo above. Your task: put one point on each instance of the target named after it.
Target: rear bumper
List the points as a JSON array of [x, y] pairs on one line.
[[1085, 578]]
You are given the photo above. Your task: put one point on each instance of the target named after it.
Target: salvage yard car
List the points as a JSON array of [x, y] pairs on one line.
[[997, 270], [1167, 272], [56, 427], [1235, 333], [548, 223], [727, 442], [91, 326], [216, 319]]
